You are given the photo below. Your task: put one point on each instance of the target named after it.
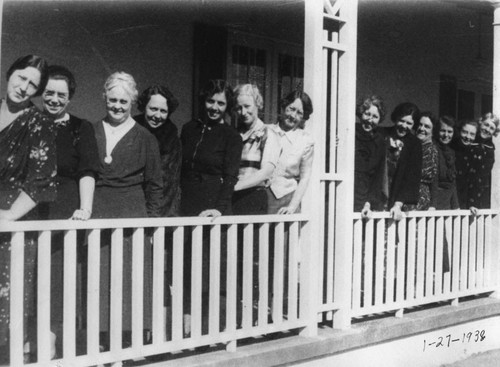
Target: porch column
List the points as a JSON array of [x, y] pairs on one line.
[[495, 178], [495, 175]]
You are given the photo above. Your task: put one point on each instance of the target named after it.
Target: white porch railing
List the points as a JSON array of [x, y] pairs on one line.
[[249, 270], [258, 258], [426, 257]]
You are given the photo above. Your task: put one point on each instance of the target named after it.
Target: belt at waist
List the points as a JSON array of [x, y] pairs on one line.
[[253, 164]]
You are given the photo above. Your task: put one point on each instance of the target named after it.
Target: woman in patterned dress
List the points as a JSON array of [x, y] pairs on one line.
[[429, 179], [27, 172]]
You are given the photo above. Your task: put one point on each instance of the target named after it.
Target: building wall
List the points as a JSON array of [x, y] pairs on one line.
[[404, 46], [152, 40]]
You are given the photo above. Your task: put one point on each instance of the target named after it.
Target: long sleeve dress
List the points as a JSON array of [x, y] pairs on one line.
[[76, 158], [211, 155], [369, 161], [171, 155], [429, 178], [27, 163], [446, 195], [403, 169], [474, 163], [129, 186]]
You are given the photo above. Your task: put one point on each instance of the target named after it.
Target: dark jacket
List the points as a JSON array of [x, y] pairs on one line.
[[406, 177], [369, 164], [211, 155]]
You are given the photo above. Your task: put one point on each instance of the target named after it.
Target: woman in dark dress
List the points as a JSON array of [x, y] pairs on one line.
[[211, 153], [446, 194], [369, 157], [129, 185], [465, 149], [480, 182], [77, 161], [27, 172], [403, 160], [157, 105], [77, 166]]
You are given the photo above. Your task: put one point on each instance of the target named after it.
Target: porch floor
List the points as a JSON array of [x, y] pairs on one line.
[[288, 349]]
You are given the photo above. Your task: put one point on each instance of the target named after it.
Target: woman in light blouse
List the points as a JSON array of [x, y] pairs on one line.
[[293, 171], [259, 156]]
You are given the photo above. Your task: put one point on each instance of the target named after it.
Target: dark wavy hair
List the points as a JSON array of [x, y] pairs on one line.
[[430, 116], [215, 86], [172, 102], [471, 122], [305, 99], [447, 120], [367, 102], [33, 61], [406, 109], [58, 72]]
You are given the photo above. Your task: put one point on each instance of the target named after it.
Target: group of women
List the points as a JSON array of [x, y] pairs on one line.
[[420, 162], [133, 167]]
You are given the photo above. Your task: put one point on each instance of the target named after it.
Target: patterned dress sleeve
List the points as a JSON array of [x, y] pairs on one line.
[[39, 183], [434, 185]]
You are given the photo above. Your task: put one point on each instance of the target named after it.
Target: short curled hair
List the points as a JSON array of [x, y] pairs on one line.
[[406, 109], [215, 86], [367, 102], [33, 61], [123, 80], [58, 72], [494, 118], [431, 117], [172, 102], [304, 98], [448, 121], [470, 122], [251, 90]]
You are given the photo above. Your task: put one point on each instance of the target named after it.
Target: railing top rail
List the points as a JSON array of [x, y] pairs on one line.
[[431, 213], [47, 225]]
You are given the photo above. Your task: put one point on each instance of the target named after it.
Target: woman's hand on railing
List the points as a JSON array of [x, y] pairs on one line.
[[291, 209], [366, 212], [81, 214], [474, 210], [396, 212]]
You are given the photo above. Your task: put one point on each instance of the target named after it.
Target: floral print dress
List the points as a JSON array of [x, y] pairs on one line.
[[27, 163], [429, 180]]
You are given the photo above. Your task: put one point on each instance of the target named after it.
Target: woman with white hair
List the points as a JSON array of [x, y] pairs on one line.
[[129, 184]]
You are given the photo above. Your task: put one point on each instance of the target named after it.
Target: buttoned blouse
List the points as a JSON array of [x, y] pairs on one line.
[[260, 146], [296, 154]]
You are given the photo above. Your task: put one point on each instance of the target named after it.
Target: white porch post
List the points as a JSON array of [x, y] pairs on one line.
[[495, 187], [310, 239], [495, 176]]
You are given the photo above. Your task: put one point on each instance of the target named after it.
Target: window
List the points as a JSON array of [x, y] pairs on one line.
[[276, 67]]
